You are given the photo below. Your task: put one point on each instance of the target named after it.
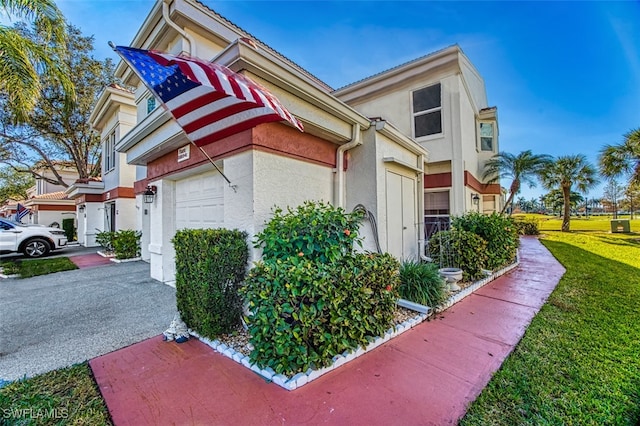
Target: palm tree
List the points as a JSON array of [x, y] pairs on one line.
[[22, 59], [563, 174], [521, 168], [616, 160]]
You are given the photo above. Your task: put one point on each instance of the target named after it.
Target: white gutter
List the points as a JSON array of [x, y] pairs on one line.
[[356, 140], [165, 14]]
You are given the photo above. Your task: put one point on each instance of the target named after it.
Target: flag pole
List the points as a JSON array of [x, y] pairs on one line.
[[234, 187]]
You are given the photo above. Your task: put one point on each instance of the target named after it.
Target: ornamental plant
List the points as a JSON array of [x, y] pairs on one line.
[[126, 244], [311, 297], [498, 231], [318, 231], [421, 283]]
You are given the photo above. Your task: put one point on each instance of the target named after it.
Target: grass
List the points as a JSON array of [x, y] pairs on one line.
[[593, 223], [578, 361], [32, 268], [66, 396]]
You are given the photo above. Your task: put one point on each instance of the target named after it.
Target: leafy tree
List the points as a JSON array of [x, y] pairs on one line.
[[521, 168], [613, 192], [14, 185], [53, 133], [554, 200], [618, 160], [631, 199], [565, 172], [24, 59]]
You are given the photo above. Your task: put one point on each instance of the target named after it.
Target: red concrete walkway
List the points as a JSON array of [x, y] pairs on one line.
[[90, 260], [426, 376]]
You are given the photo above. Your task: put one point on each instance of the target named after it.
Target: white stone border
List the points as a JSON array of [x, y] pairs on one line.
[[133, 259], [301, 379]]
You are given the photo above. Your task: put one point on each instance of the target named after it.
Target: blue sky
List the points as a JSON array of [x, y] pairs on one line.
[[565, 76]]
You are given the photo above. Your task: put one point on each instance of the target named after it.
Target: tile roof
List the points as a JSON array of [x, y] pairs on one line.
[[60, 195]]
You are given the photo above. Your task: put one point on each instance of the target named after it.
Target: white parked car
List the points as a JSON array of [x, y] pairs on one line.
[[32, 240]]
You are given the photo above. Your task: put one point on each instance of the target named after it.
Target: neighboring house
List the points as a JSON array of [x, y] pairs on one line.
[[47, 202], [345, 155], [108, 204]]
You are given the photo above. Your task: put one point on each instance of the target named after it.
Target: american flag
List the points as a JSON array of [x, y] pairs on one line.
[[209, 101], [21, 211]]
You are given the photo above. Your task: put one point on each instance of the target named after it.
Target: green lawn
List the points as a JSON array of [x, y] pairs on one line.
[[60, 397], [578, 363], [32, 268], [593, 223]]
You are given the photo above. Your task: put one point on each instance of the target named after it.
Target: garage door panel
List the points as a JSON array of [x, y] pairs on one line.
[[200, 201]]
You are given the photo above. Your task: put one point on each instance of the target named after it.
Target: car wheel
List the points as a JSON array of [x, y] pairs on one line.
[[36, 247]]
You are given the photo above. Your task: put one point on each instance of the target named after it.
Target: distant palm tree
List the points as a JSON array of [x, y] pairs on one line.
[[521, 168], [624, 158], [563, 174], [23, 60]]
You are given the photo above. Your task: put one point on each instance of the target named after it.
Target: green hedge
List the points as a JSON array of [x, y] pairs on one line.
[[311, 297], [303, 312], [210, 268], [498, 231], [459, 249], [69, 228], [126, 244], [526, 226]]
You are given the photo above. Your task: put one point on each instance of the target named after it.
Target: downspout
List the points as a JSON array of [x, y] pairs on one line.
[[356, 140], [165, 14], [421, 237]]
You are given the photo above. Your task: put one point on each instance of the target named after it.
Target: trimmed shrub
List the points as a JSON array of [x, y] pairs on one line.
[[498, 231], [210, 268], [526, 226], [69, 228], [126, 244], [421, 283], [320, 231], [457, 248], [311, 297], [303, 312], [105, 239]]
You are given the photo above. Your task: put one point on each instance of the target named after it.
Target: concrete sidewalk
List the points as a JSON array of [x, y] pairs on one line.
[[427, 375]]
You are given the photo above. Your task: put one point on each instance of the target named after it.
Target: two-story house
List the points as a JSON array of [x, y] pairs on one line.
[[368, 144], [108, 203], [440, 101]]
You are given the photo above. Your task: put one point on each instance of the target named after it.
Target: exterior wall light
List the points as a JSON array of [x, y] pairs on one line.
[[475, 198], [81, 208], [149, 194]]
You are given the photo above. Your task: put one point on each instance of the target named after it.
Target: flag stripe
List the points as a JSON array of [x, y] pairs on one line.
[[208, 100]]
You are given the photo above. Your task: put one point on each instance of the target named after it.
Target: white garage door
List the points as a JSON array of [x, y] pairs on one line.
[[200, 201]]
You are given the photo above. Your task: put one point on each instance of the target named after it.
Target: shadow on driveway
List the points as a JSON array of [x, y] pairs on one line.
[[56, 320]]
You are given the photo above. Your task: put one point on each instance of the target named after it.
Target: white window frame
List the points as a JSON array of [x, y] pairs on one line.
[[494, 138], [109, 152], [415, 114]]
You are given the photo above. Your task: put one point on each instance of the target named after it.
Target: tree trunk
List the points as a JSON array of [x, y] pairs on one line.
[[566, 215]]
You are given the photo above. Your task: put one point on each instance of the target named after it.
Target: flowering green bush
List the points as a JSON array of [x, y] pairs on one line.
[[311, 297]]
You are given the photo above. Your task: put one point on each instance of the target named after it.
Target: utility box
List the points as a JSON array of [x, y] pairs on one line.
[[620, 225]]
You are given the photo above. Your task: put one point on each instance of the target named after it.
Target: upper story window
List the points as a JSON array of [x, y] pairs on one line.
[[109, 152], [427, 111], [151, 104], [487, 136]]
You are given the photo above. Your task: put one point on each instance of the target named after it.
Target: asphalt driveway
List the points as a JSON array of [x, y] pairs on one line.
[[60, 319]]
